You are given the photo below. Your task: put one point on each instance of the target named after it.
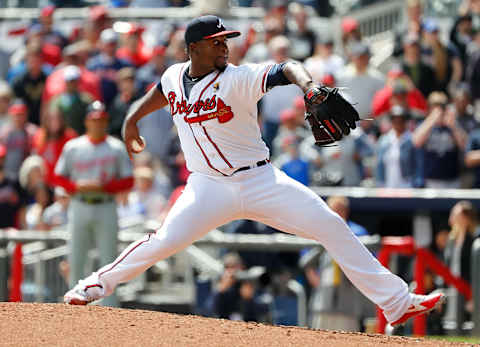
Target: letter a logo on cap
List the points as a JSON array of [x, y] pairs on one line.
[[220, 24]]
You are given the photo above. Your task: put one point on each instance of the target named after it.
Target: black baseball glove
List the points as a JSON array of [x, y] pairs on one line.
[[330, 116]]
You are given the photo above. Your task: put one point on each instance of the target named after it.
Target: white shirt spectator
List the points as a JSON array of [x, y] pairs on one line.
[[319, 67], [393, 175]]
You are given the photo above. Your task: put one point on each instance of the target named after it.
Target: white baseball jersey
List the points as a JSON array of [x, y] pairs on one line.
[[81, 159], [219, 133], [217, 125]]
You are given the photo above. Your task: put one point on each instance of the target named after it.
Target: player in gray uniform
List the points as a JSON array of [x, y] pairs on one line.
[[92, 168]]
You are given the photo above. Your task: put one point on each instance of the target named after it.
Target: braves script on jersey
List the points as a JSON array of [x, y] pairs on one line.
[[217, 125]]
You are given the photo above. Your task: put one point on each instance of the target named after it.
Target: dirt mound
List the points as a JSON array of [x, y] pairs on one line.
[[23, 324]]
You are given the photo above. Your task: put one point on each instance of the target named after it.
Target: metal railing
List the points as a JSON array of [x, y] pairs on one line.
[[43, 282], [476, 286]]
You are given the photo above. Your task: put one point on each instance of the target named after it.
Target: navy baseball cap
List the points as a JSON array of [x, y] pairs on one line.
[[207, 27]]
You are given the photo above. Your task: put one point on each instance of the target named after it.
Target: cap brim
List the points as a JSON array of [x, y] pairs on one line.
[[227, 33]]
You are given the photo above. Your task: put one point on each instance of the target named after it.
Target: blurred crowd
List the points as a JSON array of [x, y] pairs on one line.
[[420, 112]]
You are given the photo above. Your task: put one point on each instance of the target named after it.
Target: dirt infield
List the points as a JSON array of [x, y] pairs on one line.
[[23, 324]]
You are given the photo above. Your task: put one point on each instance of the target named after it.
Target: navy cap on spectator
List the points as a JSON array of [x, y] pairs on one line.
[[207, 27]]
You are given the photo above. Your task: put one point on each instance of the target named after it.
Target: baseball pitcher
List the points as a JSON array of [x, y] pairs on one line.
[[214, 107]]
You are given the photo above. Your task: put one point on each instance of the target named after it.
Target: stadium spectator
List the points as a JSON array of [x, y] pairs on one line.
[[351, 35], [290, 125], [399, 90], [461, 36], [444, 60], [34, 213], [122, 102], [335, 303], [422, 75], [16, 64], [472, 156], [17, 136], [175, 161], [176, 50], [51, 53], [397, 165], [324, 62], [50, 35], [471, 7], [56, 214], [290, 161], [29, 85], [235, 298], [93, 168], [97, 21], [259, 51], [463, 222], [106, 64], [302, 38], [343, 164], [12, 198], [361, 79], [464, 109], [150, 74], [72, 103], [412, 26], [472, 74], [162, 182], [49, 139], [5, 99], [442, 142], [88, 83], [31, 174], [278, 99], [129, 211], [156, 131], [134, 50], [146, 194]]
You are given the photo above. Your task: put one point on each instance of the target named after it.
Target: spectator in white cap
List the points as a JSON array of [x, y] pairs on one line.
[[73, 103], [71, 73], [106, 64]]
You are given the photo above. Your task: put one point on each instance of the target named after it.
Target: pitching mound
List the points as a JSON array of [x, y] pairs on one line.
[[23, 324]]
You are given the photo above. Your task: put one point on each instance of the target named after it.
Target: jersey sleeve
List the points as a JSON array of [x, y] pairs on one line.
[[251, 81], [63, 166], [159, 87]]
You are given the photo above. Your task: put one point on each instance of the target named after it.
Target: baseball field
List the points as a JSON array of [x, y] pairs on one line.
[[25, 324]]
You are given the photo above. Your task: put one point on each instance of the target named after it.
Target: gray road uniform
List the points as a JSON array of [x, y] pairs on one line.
[[92, 216]]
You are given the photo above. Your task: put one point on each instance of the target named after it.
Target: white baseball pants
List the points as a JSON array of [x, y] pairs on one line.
[[267, 195]]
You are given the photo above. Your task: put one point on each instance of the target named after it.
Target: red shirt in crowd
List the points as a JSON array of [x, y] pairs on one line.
[[50, 150], [381, 101], [55, 84]]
